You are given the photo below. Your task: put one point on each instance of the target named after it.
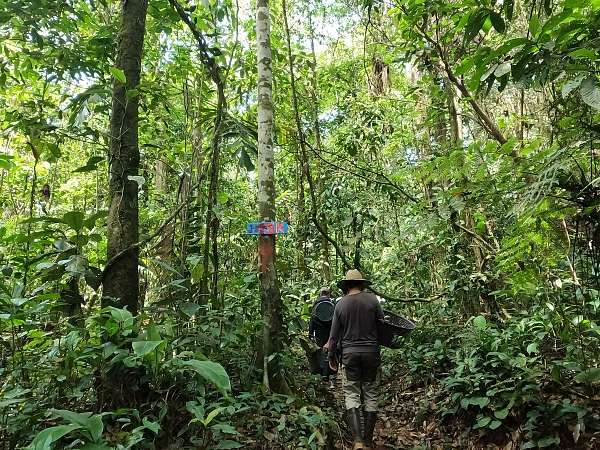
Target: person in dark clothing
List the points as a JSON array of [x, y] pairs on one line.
[[356, 320], [318, 330], [320, 327]]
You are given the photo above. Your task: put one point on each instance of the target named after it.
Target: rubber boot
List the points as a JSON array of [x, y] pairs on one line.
[[370, 420], [353, 416]]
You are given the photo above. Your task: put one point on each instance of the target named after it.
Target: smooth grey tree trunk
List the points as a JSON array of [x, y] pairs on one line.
[[271, 305]]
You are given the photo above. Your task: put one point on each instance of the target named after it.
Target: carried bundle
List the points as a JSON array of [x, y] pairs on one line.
[[393, 325]]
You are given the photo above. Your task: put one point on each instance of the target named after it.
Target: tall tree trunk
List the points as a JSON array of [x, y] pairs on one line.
[[325, 253], [121, 280], [301, 222], [271, 304], [303, 225]]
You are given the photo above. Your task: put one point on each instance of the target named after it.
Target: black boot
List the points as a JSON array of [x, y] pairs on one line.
[[370, 420], [353, 416]]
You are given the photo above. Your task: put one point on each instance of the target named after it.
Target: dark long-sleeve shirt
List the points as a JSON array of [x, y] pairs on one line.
[[355, 323]]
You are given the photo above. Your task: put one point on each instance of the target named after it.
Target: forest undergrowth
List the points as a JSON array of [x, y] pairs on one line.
[[180, 178]]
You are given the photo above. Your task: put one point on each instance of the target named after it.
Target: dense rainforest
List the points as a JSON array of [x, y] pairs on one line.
[[449, 150]]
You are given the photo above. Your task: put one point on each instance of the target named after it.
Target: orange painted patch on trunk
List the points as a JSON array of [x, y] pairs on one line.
[[265, 251]]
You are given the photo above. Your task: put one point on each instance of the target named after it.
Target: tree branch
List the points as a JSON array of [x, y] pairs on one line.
[[488, 124]]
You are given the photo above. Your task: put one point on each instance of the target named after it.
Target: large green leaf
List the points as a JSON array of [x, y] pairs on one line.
[[120, 314], [143, 348], [476, 21], [6, 162], [483, 422], [74, 219], [590, 93], [570, 85], [497, 22], [45, 438], [211, 371], [118, 74], [92, 424]]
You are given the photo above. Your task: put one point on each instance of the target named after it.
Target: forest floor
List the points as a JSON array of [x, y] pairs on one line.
[[403, 419], [409, 420]]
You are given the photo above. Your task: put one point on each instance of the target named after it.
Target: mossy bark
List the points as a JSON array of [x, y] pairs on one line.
[[121, 280]]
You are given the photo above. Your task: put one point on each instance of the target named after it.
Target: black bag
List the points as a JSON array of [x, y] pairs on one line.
[[393, 325], [323, 311]]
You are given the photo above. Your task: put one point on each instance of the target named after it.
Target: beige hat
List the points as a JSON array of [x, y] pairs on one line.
[[352, 275]]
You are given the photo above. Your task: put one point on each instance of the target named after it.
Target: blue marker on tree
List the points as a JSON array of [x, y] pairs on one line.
[[267, 228]]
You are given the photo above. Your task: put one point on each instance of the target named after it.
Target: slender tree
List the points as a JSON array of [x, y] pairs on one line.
[[212, 221], [271, 305], [121, 279]]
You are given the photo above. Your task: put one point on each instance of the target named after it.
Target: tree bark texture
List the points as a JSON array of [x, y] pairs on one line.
[[121, 281], [271, 304]]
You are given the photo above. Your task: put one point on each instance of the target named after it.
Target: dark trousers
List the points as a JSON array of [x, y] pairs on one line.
[[360, 380]]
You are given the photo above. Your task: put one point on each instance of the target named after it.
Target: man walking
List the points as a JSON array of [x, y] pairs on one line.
[[355, 323]]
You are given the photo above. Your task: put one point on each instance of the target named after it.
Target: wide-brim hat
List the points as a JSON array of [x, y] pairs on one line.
[[354, 276]]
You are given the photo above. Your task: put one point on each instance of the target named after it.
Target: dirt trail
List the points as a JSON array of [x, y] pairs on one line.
[[404, 421]]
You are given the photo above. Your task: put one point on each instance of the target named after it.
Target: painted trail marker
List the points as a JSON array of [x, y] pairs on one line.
[[267, 228]]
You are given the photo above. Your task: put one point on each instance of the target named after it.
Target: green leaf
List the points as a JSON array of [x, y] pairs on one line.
[[532, 348], [211, 415], [152, 426], [142, 348], [189, 309], [534, 25], [479, 322], [502, 70], [476, 21], [497, 22], [45, 438], [118, 74], [482, 402], [91, 165], [589, 376], [501, 413], [122, 316], [245, 160], [74, 219], [222, 198], [211, 371], [570, 85], [508, 7], [584, 53], [91, 423], [90, 222], [45, 265], [6, 162], [590, 93], [494, 424], [483, 422]]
